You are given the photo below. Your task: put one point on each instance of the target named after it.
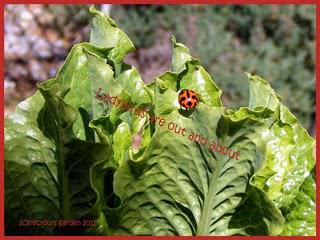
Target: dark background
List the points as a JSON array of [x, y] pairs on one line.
[[276, 42]]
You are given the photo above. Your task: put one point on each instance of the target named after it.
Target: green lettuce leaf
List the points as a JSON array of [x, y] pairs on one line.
[[189, 189], [289, 155], [29, 156], [50, 175], [191, 75], [301, 214], [56, 173], [82, 74], [105, 33], [141, 165], [126, 117]]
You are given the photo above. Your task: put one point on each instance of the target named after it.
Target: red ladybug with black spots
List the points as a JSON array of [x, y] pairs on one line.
[[188, 99]]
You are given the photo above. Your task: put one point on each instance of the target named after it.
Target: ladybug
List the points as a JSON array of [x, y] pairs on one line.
[[188, 99]]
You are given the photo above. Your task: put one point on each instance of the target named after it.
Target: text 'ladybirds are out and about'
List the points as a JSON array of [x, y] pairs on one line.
[[126, 106]]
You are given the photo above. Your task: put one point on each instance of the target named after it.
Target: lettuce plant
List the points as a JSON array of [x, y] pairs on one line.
[[70, 156]]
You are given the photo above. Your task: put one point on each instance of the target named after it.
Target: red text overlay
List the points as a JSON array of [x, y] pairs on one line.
[[214, 146]]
